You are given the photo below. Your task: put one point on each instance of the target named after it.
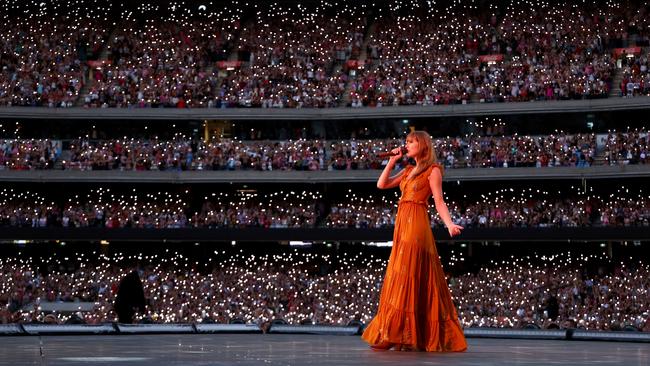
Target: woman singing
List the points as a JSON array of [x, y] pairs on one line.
[[415, 307]]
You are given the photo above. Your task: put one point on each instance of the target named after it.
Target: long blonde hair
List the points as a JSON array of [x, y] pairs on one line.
[[427, 156]]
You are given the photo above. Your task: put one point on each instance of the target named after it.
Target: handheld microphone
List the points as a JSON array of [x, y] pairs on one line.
[[390, 153]]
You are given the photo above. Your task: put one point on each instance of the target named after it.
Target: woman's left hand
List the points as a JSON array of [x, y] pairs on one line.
[[454, 229]]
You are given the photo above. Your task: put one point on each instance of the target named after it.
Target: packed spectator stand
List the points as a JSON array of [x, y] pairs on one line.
[[320, 55], [590, 291], [508, 207], [182, 153]]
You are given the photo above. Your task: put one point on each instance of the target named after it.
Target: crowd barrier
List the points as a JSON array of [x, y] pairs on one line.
[[282, 328], [314, 329], [117, 328]]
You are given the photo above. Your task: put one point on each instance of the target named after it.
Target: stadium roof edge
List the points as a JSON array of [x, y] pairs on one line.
[[475, 109]]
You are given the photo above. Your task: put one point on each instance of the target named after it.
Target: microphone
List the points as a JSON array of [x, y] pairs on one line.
[[390, 153]]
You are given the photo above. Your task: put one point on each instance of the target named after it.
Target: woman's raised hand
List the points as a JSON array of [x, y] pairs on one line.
[[398, 154]]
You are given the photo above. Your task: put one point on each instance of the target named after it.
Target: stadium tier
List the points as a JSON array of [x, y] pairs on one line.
[[320, 54]]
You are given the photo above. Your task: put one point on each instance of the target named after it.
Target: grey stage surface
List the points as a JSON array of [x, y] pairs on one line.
[[259, 349]]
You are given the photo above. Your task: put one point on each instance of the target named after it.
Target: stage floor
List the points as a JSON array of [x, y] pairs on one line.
[[276, 349]]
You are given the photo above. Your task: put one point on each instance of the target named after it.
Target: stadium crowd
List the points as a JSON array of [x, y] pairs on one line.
[[630, 147], [556, 295], [292, 60], [24, 154], [160, 210], [43, 61], [561, 291], [326, 55], [636, 77], [162, 64], [181, 153], [503, 208], [187, 154]]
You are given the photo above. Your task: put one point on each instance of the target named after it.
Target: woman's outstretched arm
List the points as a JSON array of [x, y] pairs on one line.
[[435, 181]]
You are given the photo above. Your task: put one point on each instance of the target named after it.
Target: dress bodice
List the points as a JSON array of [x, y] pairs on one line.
[[416, 189]]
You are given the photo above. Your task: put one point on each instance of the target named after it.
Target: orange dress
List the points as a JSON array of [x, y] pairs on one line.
[[415, 306]]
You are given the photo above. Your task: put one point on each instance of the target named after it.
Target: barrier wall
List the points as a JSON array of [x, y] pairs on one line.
[[352, 330]]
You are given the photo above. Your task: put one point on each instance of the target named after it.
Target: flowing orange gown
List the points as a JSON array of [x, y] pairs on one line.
[[415, 306]]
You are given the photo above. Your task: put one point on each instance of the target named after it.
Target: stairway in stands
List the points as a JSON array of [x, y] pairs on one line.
[[618, 75], [103, 55], [615, 91], [370, 29], [233, 52], [475, 98], [599, 157]]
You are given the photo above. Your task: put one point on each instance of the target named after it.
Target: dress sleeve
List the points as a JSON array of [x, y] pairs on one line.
[[435, 165]]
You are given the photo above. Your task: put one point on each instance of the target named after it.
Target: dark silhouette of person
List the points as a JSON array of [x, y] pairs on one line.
[[130, 297], [553, 307]]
